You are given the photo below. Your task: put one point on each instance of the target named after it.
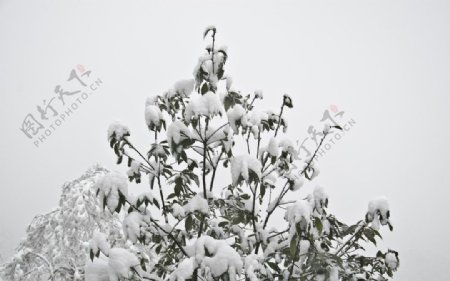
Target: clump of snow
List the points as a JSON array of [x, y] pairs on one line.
[[184, 270], [197, 203], [303, 251], [153, 117], [96, 270], [391, 260], [151, 100], [132, 226], [287, 145], [270, 179], [259, 94], [214, 135], [176, 133], [203, 105], [223, 258], [184, 88], [319, 198], [296, 182], [134, 168], [242, 166], [111, 187], [273, 148], [236, 117], [120, 262], [253, 265], [178, 211], [255, 121], [99, 242], [378, 212], [117, 131], [299, 212]]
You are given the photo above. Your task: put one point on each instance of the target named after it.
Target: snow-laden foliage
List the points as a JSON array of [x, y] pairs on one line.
[[222, 176], [56, 246]]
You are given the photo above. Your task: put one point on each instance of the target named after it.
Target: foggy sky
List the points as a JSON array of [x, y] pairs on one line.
[[385, 63]]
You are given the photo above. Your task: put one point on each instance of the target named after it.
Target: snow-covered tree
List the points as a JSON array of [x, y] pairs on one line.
[[56, 244], [253, 223]]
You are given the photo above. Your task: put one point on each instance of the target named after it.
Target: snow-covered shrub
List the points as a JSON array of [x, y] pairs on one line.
[[56, 246], [219, 175]]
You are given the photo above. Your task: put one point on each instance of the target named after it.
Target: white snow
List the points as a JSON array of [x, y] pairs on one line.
[[99, 242], [176, 133], [378, 212], [236, 116], [184, 270], [203, 105], [259, 94], [109, 187], [120, 262], [320, 198], [96, 270], [255, 119], [153, 116], [288, 145], [391, 260], [184, 87], [223, 257], [132, 226], [134, 168], [273, 148], [178, 211], [241, 165], [303, 251], [300, 211], [252, 265], [295, 180], [197, 203], [117, 131], [298, 183]]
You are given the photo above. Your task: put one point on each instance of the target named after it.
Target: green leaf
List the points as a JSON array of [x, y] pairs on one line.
[[368, 232], [119, 159], [318, 224], [223, 223], [273, 266], [188, 223], [205, 88], [156, 203], [293, 246], [245, 196], [143, 264]]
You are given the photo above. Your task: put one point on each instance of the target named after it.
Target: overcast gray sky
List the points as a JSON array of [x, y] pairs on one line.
[[385, 63]]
